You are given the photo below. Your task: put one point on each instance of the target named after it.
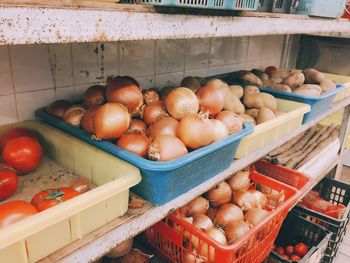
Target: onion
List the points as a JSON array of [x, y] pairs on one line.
[[236, 229], [199, 205], [153, 111], [217, 83], [239, 181], [189, 257], [210, 99], [121, 250], [195, 130], [126, 92], [244, 199], [220, 130], [260, 197], [87, 122], [218, 236], [180, 102], [255, 215], [212, 213], [135, 142], [165, 92], [137, 126], [219, 195], [202, 221], [232, 121], [192, 83], [73, 115], [58, 108], [228, 213], [166, 148], [95, 95], [111, 121], [150, 96], [164, 126]]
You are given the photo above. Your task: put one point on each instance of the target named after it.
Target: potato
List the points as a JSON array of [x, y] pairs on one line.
[[294, 80], [313, 76], [247, 118], [232, 103], [191, 83], [202, 81], [236, 90], [277, 86], [216, 83], [309, 90], [249, 78], [252, 98], [327, 85], [265, 114], [279, 75], [252, 112], [260, 74]]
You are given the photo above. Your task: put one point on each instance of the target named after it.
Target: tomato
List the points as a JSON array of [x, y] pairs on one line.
[[13, 211], [300, 249], [51, 197], [270, 69], [285, 257], [294, 258], [8, 181], [289, 250], [280, 250], [12, 134], [23, 154]]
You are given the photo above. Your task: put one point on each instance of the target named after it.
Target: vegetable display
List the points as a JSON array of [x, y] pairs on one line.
[[293, 253]]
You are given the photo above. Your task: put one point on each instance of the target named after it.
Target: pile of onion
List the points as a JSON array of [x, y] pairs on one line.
[[210, 99], [153, 111], [137, 126], [150, 96], [58, 108], [166, 148], [95, 95], [165, 125], [135, 142], [180, 102]]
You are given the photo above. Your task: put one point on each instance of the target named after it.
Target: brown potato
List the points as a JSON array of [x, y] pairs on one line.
[[309, 90], [253, 98], [236, 90], [265, 114], [277, 86], [313, 76], [327, 85], [294, 80], [252, 112], [247, 118]]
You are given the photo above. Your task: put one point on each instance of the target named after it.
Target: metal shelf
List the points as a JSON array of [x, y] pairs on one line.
[[102, 240], [38, 21]]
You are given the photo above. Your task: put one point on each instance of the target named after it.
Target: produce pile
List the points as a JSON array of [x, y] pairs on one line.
[[298, 151], [293, 253], [224, 214], [309, 82]]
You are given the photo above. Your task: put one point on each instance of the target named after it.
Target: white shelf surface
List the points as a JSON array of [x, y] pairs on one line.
[[38, 21], [102, 240]]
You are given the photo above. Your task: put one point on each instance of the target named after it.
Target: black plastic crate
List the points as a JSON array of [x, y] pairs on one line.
[[338, 193]]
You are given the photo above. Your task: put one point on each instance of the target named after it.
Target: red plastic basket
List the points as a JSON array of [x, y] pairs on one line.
[[167, 236], [347, 10]]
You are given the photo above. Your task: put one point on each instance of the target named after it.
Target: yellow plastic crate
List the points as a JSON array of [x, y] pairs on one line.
[[275, 129], [345, 80], [38, 236]]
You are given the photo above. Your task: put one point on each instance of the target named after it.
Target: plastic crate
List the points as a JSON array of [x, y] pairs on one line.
[[164, 181], [265, 5], [38, 236], [345, 81], [323, 8], [338, 193], [347, 10], [296, 229], [281, 6], [167, 236], [207, 4]]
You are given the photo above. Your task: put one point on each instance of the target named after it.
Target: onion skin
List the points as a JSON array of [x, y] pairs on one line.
[[255, 215], [164, 126], [135, 142], [124, 91], [195, 130], [73, 115], [192, 83], [87, 122], [244, 199], [95, 95], [150, 96], [232, 121], [111, 121], [202, 221], [210, 99], [218, 236], [199, 205], [137, 126], [212, 213], [166, 148], [153, 111], [180, 102], [219, 195], [260, 198], [235, 230], [220, 130], [228, 213], [58, 108], [239, 181], [121, 250]]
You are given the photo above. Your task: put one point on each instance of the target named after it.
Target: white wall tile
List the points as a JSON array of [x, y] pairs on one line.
[[66, 93], [170, 79], [8, 109], [218, 70], [197, 72], [170, 56], [137, 58], [238, 50], [29, 102], [197, 54], [90, 58], [255, 48], [147, 82], [31, 68], [6, 85], [219, 51], [61, 64]]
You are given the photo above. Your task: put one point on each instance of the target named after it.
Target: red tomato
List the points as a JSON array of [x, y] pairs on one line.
[[270, 69], [280, 250], [12, 134], [8, 181], [294, 258], [23, 154], [285, 257], [300, 249], [13, 211], [51, 197], [289, 250]]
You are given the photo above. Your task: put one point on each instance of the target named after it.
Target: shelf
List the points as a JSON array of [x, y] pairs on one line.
[[135, 221], [38, 21]]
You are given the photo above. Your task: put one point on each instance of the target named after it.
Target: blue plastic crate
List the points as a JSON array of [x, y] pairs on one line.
[[163, 181], [323, 8], [207, 4]]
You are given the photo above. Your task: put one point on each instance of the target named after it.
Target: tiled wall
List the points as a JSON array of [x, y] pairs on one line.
[[31, 76]]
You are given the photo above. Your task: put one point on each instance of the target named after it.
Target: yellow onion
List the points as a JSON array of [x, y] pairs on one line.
[[166, 148], [180, 102], [164, 126]]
